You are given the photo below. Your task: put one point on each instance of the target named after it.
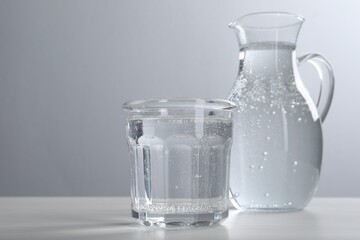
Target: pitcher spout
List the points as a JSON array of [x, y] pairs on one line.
[[267, 27]]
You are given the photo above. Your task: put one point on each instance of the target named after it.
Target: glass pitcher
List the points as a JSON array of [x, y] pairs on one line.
[[277, 140]]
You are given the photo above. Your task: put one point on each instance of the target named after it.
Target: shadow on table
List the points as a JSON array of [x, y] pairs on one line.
[[130, 230], [262, 225], [113, 225]]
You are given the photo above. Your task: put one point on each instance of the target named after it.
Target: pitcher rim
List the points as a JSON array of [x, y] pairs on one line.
[[300, 19]]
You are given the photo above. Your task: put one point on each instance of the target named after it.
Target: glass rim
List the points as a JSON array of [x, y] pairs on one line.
[[178, 103], [242, 20]]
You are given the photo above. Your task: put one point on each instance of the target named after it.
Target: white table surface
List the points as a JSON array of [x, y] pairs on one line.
[[109, 218]]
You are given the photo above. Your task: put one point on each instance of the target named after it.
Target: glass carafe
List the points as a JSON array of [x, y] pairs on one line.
[[277, 140]]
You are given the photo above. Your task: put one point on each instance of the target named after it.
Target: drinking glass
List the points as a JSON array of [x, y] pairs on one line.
[[179, 150]]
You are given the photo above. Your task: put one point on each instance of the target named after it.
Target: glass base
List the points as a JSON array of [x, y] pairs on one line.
[[180, 220]]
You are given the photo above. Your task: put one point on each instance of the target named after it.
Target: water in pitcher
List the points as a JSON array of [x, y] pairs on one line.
[[277, 142], [180, 166]]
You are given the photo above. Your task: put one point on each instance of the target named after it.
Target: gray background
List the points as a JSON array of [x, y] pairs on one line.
[[66, 67]]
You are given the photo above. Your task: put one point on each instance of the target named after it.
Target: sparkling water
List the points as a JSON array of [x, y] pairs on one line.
[[277, 142], [180, 166]]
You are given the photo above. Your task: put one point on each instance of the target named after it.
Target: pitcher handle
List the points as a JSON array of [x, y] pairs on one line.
[[327, 83]]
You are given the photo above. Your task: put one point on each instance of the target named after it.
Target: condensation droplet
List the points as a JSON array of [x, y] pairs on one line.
[[265, 159], [252, 166], [198, 176], [296, 163], [236, 194], [265, 153], [261, 167], [289, 203], [268, 126], [299, 119], [292, 106], [176, 187], [267, 194], [273, 112], [268, 138]]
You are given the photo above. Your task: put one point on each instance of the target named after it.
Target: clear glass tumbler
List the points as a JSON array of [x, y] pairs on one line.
[[179, 150]]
